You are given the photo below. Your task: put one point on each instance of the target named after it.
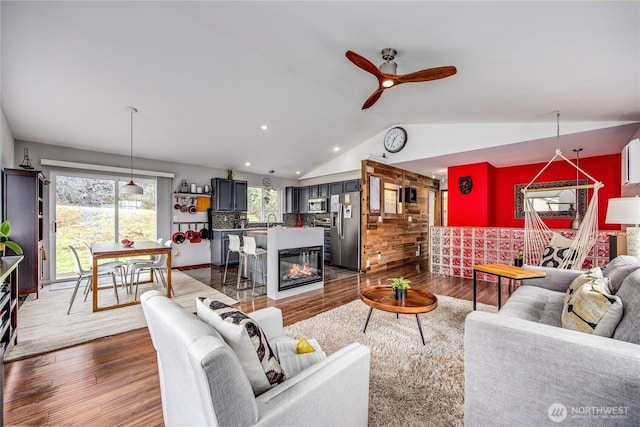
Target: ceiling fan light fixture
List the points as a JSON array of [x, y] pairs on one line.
[[131, 187], [387, 83], [389, 67]]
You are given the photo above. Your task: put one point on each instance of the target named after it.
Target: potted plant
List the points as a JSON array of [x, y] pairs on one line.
[[5, 231], [519, 261], [400, 286]]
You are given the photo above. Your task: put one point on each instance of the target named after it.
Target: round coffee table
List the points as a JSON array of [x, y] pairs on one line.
[[382, 297]]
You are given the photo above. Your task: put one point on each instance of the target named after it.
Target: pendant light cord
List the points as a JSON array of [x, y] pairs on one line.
[[131, 110]]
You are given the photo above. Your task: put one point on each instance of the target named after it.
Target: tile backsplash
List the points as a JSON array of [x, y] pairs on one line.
[[225, 220]]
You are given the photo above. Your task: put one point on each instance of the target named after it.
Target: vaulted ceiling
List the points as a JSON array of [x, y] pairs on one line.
[[205, 76]]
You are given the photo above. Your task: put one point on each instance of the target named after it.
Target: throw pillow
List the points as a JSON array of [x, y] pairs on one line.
[[589, 308], [587, 276], [554, 255], [560, 241], [246, 339], [629, 327]]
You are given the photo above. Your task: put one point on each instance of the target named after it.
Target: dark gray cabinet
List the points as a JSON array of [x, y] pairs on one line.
[[323, 190], [219, 247], [303, 200], [297, 198], [292, 199], [336, 188], [229, 194], [351, 185], [327, 244], [318, 191]]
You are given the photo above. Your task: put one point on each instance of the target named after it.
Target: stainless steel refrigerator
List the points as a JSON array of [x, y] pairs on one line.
[[345, 230]]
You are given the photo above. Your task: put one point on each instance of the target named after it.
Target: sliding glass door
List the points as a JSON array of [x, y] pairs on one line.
[[89, 208]]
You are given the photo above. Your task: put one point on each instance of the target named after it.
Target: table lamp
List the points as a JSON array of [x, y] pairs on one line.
[[626, 210]]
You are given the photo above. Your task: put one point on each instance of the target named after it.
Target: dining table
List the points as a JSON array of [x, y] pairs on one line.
[[110, 250]]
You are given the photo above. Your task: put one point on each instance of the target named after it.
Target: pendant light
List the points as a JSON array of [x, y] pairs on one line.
[[575, 224], [131, 187]]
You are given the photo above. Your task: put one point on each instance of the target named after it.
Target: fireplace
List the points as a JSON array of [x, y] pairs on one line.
[[299, 267]]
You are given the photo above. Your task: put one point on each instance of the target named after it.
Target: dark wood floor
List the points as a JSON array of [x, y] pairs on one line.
[[114, 380]]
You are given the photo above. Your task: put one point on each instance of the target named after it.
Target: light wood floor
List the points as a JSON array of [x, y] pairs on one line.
[[114, 380]]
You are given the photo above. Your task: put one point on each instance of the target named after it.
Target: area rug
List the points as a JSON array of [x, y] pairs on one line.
[[410, 384], [43, 323]]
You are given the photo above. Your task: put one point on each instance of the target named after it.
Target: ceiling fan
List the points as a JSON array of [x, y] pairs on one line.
[[386, 73]]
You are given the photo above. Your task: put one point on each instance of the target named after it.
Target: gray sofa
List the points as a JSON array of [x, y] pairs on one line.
[[522, 368], [203, 383]]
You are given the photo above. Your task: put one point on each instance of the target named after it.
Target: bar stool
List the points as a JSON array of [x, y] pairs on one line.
[[234, 246], [258, 255]]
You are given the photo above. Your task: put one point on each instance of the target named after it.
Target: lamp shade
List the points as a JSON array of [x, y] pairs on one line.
[[131, 188], [623, 210]]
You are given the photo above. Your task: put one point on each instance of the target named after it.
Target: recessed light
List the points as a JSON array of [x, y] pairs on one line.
[[336, 149], [264, 127], [247, 163], [297, 172]]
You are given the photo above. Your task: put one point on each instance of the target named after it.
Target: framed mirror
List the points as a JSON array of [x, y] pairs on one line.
[[554, 199]]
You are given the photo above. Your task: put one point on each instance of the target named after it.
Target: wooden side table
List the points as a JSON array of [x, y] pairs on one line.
[[503, 270], [382, 297]]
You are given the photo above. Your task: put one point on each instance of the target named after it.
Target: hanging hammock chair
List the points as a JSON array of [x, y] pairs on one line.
[[542, 246]]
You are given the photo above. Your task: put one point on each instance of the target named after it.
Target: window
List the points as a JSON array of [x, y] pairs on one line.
[[261, 203], [89, 208]]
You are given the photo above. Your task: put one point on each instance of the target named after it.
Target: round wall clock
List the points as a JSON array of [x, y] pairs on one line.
[[395, 139]]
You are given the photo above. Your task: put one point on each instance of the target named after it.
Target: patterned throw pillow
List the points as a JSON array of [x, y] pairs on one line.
[[246, 339], [554, 255], [589, 308], [587, 276]]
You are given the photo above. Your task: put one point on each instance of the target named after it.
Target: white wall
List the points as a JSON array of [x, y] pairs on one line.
[[6, 142], [428, 141]]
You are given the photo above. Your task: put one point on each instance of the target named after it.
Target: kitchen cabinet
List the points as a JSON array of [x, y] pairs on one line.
[[336, 188], [219, 247], [23, 198], [318, 191], [323, 190], [327, 244], [292, 199], [229, 194], [351, 185], [303, 200]]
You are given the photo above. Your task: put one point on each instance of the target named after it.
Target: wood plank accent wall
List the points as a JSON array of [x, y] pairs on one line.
[[395, 238]]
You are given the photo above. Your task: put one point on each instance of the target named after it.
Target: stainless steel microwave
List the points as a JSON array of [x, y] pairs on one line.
[[317, 205]]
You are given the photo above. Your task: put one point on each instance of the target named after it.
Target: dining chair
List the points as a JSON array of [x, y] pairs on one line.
[[157, 267], [133, 261], [234, 246], [120, 266], [258, 256], [88, 274]]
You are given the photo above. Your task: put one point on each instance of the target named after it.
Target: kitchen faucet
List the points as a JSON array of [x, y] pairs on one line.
[[271, 214]]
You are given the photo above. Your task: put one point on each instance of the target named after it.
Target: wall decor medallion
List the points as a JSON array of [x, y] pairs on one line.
[[465, 184]]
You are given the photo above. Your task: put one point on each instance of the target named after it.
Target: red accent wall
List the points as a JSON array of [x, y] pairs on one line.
[[478, 207], [498, 209]]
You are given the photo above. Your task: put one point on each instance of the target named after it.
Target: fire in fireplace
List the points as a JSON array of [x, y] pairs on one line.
[[299, 266]]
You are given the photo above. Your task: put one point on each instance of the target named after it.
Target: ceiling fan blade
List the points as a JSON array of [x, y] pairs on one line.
[[363, 63], [426, 75], [373, 98]]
